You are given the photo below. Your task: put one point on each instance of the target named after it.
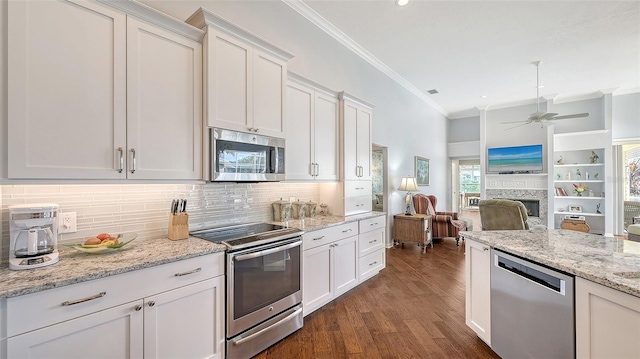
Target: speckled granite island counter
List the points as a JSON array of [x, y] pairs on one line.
[[76, 267], [612, 262]]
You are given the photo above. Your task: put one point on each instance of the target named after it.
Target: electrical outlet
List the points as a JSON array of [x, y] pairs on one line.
[[67, 223]]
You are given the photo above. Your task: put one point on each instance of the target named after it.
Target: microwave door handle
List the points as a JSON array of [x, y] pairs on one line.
[[274, 159]]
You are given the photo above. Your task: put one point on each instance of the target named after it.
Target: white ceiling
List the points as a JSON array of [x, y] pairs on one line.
[[469, 49]]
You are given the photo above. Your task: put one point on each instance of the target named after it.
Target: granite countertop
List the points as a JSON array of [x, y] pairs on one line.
[[612, 262], [76, 267], [320, 222]]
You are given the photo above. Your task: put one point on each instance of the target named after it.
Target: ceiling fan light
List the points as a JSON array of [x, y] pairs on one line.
[[402, 2]]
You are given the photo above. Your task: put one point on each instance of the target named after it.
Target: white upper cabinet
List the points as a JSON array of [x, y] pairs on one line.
[[312, 132], [164, 103], [66, 89], [245, 78], [95, 94], [356, 124]]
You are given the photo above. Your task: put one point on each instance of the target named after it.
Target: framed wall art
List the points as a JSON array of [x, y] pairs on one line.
[[422, 170]]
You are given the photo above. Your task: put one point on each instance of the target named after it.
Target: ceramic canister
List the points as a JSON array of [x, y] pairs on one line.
[[311, 208], [281, 210], [298, 209]]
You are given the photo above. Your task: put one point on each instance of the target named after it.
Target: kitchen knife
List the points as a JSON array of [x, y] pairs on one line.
[[173, 206], [184, 205]]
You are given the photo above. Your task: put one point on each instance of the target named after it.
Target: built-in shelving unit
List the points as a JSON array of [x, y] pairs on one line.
[[580, 168]]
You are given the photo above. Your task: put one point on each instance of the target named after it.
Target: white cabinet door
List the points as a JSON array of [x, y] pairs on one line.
[[66, 89], [164, 91], [345, 264], [350, 148], [300, 100], [318, 279], [607, 322], [228, 80], [478, 289], [364, 143], [107, 334], [269, 93], [186, 322], [326, 149]]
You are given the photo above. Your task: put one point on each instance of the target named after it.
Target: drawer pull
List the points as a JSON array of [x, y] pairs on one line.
[[373, 241], [374, 224], [151, 303], [317, 238], [73, 302], [189, 272], [138, 308], [347, 230], [485, 248], [374, 263], [359, 187]]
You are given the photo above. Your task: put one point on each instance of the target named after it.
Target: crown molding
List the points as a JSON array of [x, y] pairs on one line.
[[323, 24]]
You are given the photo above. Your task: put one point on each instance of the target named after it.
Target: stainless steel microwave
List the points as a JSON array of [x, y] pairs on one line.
[[245, 157]]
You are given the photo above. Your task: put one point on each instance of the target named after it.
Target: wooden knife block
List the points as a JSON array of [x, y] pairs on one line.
[[178, 226]]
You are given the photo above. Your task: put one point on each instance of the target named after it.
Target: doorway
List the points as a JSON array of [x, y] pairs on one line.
[[629, 191], [380, 190], [466, 179]]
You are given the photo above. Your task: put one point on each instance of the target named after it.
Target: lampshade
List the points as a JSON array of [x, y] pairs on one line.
[[408, 184]]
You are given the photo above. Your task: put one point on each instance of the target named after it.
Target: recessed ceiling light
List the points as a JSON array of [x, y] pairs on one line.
[[402, 2], [483, 96], [433, 91]]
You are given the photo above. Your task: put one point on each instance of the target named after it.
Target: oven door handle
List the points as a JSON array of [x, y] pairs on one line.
[[258, 333], [244, 257]]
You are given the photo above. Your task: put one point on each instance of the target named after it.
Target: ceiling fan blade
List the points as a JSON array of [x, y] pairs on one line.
[[577, 115], [547, 116], [522, 124], [515, 122]]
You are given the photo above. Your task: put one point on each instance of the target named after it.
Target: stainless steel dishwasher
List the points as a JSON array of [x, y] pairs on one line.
[[532, 309]]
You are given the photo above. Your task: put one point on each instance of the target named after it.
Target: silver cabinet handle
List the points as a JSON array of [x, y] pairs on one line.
[[121, 160], [244, 257], [317, 169], [74, 302], [189, 272], [317, 238], [374, 263], [138, 308], [270, 328], [374, 224], [133, 160], [151, 303], [359, 187], [373, 241], [485, 248], [347, 230]]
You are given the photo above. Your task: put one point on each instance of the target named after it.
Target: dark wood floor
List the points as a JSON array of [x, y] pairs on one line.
[[413, 309]]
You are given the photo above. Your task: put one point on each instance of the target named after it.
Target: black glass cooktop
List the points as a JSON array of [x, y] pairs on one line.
[[247, 235]]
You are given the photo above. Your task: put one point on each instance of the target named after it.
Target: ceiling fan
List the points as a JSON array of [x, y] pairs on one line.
[[539, 116]]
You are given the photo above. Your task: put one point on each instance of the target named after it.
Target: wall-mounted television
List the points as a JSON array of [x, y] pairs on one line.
[[515, 159]]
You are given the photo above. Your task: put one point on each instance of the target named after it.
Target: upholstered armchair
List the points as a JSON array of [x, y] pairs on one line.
[[502, 214], [443, 224]]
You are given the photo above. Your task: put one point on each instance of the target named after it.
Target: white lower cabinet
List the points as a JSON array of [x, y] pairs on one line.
[[607, 322], [478, 289], [338, 258], [329, 271], [177, 313]]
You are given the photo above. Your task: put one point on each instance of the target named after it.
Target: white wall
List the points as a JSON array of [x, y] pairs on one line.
[[403, 123], [626, 117], [595, 121], [464, 129]]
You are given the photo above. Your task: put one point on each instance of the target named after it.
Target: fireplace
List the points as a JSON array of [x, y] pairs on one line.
[[537, 211], [532, 206]]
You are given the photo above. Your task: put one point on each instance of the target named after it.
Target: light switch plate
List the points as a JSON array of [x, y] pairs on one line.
[[67, 223]]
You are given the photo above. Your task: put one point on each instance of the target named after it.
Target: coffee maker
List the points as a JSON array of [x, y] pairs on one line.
[[33, 234]]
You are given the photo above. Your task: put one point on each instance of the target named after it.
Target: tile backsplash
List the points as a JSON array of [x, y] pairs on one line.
[[144, 208]]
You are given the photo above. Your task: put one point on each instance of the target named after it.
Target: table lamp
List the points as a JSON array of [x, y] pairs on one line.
[[408, 184]]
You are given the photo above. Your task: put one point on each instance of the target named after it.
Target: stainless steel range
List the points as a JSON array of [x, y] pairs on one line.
[[264, 293]]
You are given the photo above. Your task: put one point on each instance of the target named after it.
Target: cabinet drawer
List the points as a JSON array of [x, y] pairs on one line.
[[371, 242], [371, 224], [37, 310], [371, 264], [327, 235], [358, 188], [355, 205]]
